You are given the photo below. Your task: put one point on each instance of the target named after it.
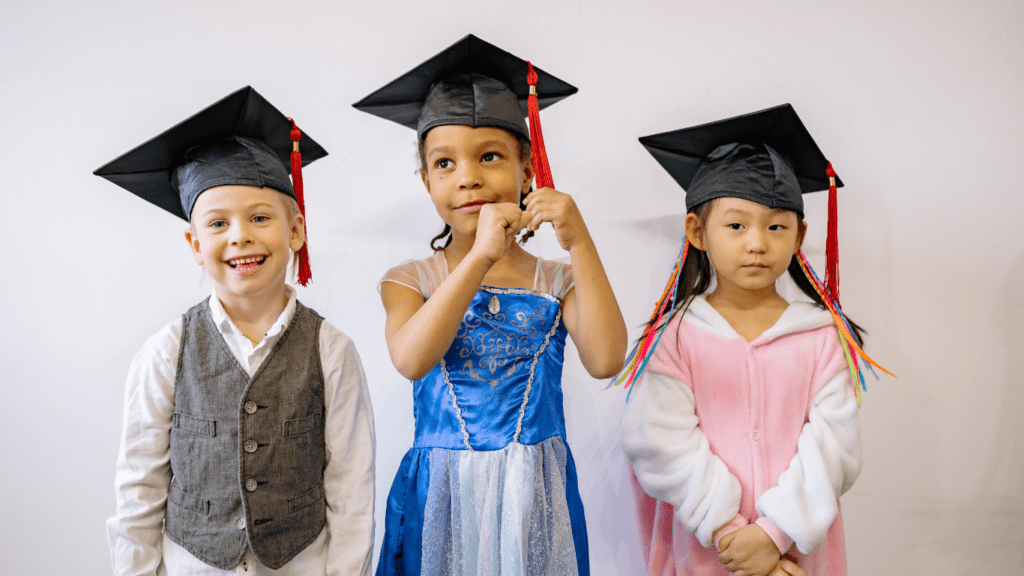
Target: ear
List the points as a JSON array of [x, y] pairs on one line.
[[426, 180], [527, 178], [693, 231], [193, 244], [800, 234], [298, 233]]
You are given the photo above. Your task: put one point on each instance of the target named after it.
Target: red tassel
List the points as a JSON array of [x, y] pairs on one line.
[[541, 169], [832, 238], [305, 274]]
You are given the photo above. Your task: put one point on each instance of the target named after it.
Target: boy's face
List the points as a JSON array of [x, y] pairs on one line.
[[468, 167], [244, 237]]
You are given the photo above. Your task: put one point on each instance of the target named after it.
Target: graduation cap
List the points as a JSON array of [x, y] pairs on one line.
[[768, 157], [471, 83], [241, 139]]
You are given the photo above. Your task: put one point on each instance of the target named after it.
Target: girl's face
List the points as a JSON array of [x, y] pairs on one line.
[[468, 167], [749, 244]]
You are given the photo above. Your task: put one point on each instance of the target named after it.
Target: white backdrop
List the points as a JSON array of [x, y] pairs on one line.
[[917, 103]]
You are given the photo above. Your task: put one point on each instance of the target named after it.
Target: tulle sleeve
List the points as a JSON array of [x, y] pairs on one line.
[[553, 277], [423, 276]]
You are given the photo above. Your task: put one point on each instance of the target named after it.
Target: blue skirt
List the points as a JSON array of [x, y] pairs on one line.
[[509, 512]]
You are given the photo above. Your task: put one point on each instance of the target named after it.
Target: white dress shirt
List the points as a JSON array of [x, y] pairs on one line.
[[138, 545]]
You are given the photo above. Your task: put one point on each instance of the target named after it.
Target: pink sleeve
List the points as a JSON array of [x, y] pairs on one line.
[[668, 357], [830, 359], [736, 523], [782, 541]]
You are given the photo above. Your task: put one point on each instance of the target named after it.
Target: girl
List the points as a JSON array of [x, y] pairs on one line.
[[489, 486], [743, 432], [248, 435]]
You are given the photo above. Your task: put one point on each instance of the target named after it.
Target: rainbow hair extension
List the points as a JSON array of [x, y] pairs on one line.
[[637, 360], [851, 346]]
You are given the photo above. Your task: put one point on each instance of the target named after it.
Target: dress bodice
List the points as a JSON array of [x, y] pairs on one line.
[[499, 382]]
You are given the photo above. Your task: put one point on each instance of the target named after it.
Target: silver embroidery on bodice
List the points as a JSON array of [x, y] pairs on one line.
[[500, 352]]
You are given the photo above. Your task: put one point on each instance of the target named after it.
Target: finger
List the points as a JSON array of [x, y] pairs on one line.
[[513, 228], [790, 568], [537, 220], [524, 219]]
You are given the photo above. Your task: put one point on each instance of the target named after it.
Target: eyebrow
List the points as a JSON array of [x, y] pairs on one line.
[[445, 149], [216, 210], [739, 211], [745, 212]]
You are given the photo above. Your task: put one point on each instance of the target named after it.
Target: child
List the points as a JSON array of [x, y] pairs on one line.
[[744, 427], [489, 486], [248, 439]]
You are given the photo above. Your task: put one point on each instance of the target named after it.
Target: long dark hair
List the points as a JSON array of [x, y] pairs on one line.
[[525, 157], [695, 278]]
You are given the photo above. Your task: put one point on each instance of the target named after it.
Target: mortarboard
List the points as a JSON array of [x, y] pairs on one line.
[[472, 83], [241, 139], [768, 157]]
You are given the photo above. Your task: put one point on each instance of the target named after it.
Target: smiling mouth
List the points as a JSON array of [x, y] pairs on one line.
[[247, 264], [472, 205]]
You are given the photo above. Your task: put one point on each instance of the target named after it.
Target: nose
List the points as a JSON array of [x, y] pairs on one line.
[[757, 241], [240, 234], [469, 176]]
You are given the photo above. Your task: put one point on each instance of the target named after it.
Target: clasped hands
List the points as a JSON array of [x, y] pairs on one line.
[[749, 551], [500, 222]]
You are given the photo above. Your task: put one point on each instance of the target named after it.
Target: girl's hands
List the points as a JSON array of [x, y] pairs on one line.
[[496, 228], [749, 551], [787, 567], [550, 205]]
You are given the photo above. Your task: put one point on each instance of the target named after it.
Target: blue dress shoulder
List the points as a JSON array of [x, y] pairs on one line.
[[489, 487]]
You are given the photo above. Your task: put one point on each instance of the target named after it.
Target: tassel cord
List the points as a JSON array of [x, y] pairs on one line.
[[305, 273]]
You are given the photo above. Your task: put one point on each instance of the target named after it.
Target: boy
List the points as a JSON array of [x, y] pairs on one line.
[[248, 440]]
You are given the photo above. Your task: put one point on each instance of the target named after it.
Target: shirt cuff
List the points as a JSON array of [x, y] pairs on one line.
[[737, 522], [782, 541]]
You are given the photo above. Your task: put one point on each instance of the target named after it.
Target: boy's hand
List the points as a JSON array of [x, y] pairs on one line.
[[550, 205], [748, 551], [496, 227]]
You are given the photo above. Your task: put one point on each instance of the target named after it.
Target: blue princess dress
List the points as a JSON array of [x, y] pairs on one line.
[[489, 487]]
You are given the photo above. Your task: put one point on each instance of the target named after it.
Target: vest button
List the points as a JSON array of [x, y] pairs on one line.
[[250, 407], [250, 485], [251, 446], [240, 523]]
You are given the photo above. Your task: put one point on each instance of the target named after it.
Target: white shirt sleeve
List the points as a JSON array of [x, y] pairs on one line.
[[351, 444], [143, 474], [672, 459], [828, 460]]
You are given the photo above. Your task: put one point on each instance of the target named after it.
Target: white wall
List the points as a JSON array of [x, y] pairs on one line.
[[918, 104]]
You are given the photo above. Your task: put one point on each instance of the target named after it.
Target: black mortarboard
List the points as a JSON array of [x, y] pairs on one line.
[[241, 139], [470, 83], [768, 157]]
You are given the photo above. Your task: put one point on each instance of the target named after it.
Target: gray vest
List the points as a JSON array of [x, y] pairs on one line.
[[247, 456]]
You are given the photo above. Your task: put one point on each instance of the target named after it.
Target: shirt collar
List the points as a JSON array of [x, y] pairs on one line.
[[225, 325]]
